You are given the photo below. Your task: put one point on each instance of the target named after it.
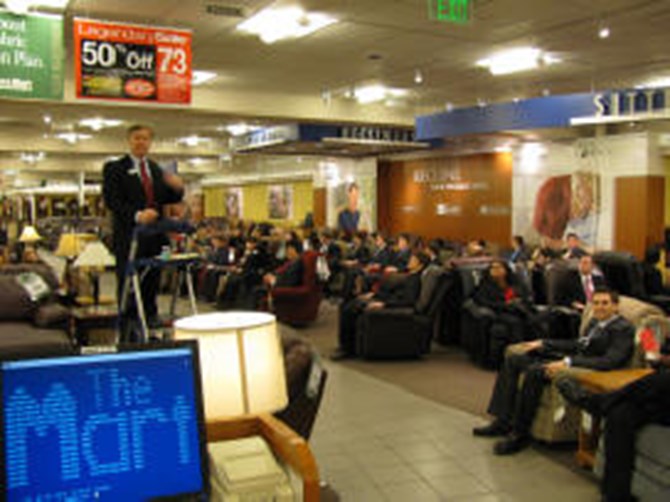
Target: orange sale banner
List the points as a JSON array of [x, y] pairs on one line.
[[132, 62]]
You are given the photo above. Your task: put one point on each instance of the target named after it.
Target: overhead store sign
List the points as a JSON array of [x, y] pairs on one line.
[[132, 62], [327, 139], [31, 56]]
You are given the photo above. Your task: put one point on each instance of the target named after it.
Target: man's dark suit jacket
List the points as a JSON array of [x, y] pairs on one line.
[[400, 291], [382, 257], [124, 196], [573, 291], [607, 349], [290, 274]]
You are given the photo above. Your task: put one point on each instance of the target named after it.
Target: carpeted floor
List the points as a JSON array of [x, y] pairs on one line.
[[445, 375]]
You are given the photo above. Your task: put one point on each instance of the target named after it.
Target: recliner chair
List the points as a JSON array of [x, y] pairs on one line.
[[300, 304]]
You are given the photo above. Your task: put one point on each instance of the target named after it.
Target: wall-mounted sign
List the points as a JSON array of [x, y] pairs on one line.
[[454, 11], [628, 104], [31, 56], [262, 138], [374, 133], [132, 62]]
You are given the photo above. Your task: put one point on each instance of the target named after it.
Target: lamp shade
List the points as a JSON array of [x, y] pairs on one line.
[[95, 255], [71, 244], [29, 235], [241, 362]]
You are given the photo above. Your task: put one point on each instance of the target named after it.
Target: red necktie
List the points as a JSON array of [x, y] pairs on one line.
[[146, 183]]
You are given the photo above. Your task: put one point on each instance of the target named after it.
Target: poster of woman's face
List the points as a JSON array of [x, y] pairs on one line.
[[280, 202]]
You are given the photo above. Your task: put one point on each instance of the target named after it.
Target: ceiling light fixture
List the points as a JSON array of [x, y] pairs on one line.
[[72, 137], [376, 92], [200, 77], [418, 77], [47, 119], [240, 129], [274, 24], [32, 158], [99, 123], [604, 32], [194, 140], [656, 83], [517, 60]]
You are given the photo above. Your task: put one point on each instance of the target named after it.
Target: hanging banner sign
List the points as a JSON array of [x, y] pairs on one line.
[[132, 62], [31, 56]]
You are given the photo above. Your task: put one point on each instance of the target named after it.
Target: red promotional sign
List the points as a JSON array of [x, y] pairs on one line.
[[132, 62]]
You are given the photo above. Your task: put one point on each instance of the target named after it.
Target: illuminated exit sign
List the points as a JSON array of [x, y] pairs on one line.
[[453, 11]]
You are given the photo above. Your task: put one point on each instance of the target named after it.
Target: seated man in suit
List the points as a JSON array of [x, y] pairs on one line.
[[608, 344], [574, 249], [395, 292], [291, 272], [626, 411], [579, 291]]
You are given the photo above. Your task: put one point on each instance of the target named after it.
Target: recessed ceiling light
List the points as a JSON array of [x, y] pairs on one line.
[[99, 123], [72, 137], [376, 92], [274, 24], [604, 32], [546, 92], [517, 60], [449, 107], [418, 77], [239, 129], [194, 140], [200, 77], [655, 83]]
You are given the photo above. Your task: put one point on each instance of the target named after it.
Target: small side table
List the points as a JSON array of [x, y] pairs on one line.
[[601, 382], [84, 321]]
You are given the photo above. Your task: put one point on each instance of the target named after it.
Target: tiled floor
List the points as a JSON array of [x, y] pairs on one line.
[[374, 441]]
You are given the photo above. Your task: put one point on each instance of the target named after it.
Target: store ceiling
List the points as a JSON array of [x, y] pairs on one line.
[[402, 38]]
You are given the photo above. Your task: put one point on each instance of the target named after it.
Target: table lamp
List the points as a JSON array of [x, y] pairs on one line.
[[95, 257], [241, 362], [69, 246], [29, 235]]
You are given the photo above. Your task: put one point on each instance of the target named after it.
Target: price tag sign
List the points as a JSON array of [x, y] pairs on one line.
[[132, 62]]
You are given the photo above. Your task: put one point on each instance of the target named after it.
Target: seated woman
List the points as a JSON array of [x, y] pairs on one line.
[[511, 302]]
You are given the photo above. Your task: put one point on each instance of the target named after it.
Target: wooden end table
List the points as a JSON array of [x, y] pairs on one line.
[[600, 382], [84, 320]]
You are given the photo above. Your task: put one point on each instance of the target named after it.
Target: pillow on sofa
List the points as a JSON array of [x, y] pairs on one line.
[[15, 303], [51, 315]]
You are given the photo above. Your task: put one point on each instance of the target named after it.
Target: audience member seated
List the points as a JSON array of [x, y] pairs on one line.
[[245, 278], [519, 252], [218, 259], [626, 411], [580, 288], [574, 249], [291, 272], [395, 291], [608, 344], [508, 313], [401, 254]]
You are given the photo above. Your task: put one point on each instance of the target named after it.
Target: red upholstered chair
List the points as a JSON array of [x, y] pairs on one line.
[[300, 304]]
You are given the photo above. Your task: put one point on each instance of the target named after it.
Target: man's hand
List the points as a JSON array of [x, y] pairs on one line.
[[173, 181], [375, 306], [526, 347], [366, 296], [147, 216], [552, 369], [269, 279], [578, 306]]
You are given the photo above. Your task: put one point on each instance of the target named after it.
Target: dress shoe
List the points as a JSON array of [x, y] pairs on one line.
[[497, 428], [340, 355], [575, 394], [512, 444]]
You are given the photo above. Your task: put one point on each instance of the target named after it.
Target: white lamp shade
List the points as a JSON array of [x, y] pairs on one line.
[[95, 255], [29, 235], [241, 362]]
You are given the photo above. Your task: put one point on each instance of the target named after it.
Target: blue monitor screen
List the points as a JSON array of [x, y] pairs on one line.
[[123, 426]]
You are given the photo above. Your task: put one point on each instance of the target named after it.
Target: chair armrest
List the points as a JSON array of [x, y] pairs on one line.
[[284, 292], [285, 443], [478, 311]]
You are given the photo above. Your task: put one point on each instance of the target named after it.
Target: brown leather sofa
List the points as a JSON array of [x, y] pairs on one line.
[[26, 326]]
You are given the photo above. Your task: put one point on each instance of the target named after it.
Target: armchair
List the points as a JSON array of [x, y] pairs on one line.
[[391, 333], [546, 427], [300, 304]]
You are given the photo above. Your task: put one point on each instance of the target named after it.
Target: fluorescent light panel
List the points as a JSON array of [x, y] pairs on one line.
[[376, 92], [274, 24], [99, 123], [517, 60], [656, 83], [200, 77]]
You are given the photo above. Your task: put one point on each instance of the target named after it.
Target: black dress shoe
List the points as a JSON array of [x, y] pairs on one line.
[[497, 428], [340, 355], [575, 394], [512, 444]]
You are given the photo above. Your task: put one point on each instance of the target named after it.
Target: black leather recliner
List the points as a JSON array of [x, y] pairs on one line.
[[395, 333]]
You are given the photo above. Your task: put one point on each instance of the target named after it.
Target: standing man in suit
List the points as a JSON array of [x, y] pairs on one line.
[[135, 189], [608, 344]]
